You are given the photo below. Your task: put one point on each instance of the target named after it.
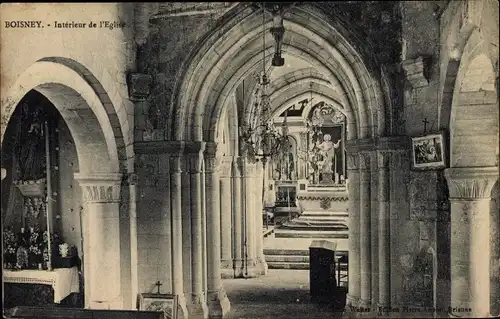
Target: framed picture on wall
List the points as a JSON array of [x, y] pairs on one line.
[[428, 152], [165, 303]]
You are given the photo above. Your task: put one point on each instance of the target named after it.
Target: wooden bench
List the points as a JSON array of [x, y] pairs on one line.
[[69, 313]]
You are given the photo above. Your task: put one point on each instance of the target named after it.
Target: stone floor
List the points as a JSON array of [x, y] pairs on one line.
[[281, 293]]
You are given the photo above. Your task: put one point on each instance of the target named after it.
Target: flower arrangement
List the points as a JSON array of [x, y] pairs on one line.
[[36, 246], [10, 248]]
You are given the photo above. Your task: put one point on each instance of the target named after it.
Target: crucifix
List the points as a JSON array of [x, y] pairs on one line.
[[158, 284], [425, 124]]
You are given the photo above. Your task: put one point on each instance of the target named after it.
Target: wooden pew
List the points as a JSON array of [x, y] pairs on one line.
[[69, 313]]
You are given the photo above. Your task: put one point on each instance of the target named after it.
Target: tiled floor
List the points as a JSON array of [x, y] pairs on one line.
[[280, 294]]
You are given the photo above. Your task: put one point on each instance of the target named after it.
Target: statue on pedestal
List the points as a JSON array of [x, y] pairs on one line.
[[327, 151]]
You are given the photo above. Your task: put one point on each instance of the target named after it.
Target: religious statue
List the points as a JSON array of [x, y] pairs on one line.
[[327, 151], [285, 167]]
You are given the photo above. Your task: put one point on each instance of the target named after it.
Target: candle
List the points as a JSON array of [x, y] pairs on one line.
[[22, 230]]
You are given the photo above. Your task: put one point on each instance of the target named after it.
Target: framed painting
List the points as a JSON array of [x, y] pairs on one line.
[[428, 152], [165, 303]]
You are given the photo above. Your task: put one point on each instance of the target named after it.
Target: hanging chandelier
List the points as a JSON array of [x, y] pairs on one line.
[[260, 138]]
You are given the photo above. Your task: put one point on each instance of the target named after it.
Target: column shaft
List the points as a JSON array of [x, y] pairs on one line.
[[354, 271], [226, 200], [237, 220], [177, 236], [365, 229], [470, 196], [218, 304], [196, 231], [384, 251]]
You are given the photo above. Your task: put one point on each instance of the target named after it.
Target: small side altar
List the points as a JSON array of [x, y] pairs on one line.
[[63, 281], [322, 197]]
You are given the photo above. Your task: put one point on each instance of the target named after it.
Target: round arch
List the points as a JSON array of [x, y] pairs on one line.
[[80, 107], [474, 109], [210, 77]]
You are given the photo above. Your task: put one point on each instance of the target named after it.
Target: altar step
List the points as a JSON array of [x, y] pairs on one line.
[[292, 259], [308, 233]]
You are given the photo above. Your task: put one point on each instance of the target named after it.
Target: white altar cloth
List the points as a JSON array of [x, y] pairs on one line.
[[64, 281]]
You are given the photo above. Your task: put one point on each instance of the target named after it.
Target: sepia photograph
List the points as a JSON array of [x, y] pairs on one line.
[[242, 160]]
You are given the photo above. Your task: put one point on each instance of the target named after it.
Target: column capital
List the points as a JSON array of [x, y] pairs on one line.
[[352, 161], [225, 166], [383, 159], [471, 182], [139, 86], [364, 160], [212, 163], [100, 187]]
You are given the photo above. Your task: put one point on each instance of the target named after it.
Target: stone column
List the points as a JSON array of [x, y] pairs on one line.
[[248, 221], [134, 258], [384, 249], [101, 195], [470, 195], [226, 201], [177, 236], [218, 303], [259, 183], [197, 307], [365, 228], [374, 229], [237, 218], [354, 271]]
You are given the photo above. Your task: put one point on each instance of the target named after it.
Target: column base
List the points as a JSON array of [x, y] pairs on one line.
[[227, 273], [114, 304], [253, 269], [262, 265], [218, 304], [197, 308], [182, 311]]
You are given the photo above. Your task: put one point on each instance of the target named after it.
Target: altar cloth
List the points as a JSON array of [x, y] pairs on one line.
[[64, 281]]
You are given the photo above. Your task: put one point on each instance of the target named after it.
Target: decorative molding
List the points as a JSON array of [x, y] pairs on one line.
[[139, 86], [416, 71], [471, 182], [393, 143], [100, 188], [194, 147], [331, 198], [359, 145], [159, 147]]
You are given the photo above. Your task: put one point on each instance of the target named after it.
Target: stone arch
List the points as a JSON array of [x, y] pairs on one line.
[[93, 126], [474, 110], [97, 134], [210, 77]]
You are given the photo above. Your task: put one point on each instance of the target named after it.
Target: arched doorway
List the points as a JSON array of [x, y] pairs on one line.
[[211, 81], [97, 136]]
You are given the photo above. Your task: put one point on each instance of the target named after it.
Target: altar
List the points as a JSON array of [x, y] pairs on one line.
[[63, 281]]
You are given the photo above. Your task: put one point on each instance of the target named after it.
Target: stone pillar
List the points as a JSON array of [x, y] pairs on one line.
[[226, 202], [218, 303], [365, 228], [354, 271], [374, 214], [249, 221], [134, 258], [197, 307], [470, 195], [177, 236], [259, 184], [186, 226], [384, 249], [101, 195], [237, 218]]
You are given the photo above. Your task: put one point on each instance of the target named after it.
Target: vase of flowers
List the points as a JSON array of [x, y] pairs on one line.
[[10, 248]]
